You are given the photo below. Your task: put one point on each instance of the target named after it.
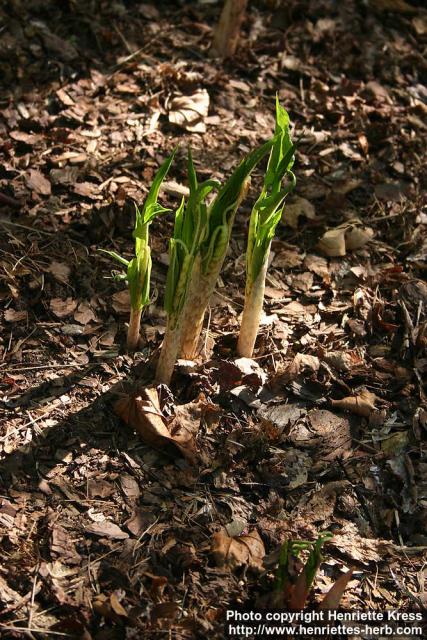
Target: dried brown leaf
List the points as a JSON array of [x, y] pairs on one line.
[[247, 550], [143, 413], [189, 112], [38, 183], [361, 405]]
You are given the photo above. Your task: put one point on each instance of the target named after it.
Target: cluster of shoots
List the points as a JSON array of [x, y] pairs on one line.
[[197, 249], [295, 578]]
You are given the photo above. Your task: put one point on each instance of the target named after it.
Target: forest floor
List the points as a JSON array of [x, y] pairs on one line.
[[101, 535]]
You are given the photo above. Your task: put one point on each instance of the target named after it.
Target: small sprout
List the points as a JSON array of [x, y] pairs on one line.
[[266, 214], [138, 269]]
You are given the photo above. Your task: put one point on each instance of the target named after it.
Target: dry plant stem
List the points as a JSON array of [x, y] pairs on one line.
[[254, 300], [133, 330], [226, 35], [169, 353]]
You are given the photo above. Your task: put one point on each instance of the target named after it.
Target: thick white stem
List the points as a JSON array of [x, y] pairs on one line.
[[133, 330], [168, 354], [254, 300], [199, 293]]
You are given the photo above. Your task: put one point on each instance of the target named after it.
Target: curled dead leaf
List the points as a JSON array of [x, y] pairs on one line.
[[361, 405], [349, 236], [189, 112], [143, 413], [247, 550]]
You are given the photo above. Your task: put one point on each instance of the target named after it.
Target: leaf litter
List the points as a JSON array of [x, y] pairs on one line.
[[173, 516]]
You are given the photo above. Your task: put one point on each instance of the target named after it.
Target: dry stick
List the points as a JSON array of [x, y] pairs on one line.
[[254, 301], [133, 331]]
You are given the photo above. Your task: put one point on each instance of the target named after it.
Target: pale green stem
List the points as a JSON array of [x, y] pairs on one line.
[[133, 329], [169, 353], [252, 312]]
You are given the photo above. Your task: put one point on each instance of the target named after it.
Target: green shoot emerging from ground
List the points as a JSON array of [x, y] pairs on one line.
[[265, 216], [196, 252], [191, 220], [207, 265], [294, 579], [138, 269]]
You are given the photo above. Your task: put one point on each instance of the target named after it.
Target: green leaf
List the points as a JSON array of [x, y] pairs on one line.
[[138, 277], [115, 256], [267, 211], [149, 210]]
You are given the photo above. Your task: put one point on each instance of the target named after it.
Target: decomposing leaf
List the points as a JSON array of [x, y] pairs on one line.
[[107, 529], [62, 308], [84, 314], [11, 315], [143, 413], [347, 237], [60, 271], [121, 301], [38, 183], [247, 550], [189, 112], [295, 208], [301, 362], [362, 405]]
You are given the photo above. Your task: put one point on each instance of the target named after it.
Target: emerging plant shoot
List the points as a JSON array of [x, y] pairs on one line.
[[265, 216], [190, 229], [213, 247], [138, 269]]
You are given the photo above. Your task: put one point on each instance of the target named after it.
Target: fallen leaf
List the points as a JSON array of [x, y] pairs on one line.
[[317, 264], [332, 242], [247, 550], [356, 237], [296, 208], [60, 271], [10, 315], [62, 308], [27, 138], [143, 413], [347, 237], [84, 314], [361, 405], [37, 182], [87, 189], [107, 529], [420, 25], [301, 362], [121, 301], [189, 112]]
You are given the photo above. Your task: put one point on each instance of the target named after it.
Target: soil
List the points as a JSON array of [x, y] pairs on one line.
[[102, 534]]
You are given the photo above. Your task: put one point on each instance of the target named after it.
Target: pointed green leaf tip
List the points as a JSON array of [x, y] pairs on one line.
[[268, 209], [139, 268]]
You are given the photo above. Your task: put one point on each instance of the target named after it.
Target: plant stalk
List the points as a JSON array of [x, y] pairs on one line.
[[252, 311], [169, 353], [199, 293], [133, 329]]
